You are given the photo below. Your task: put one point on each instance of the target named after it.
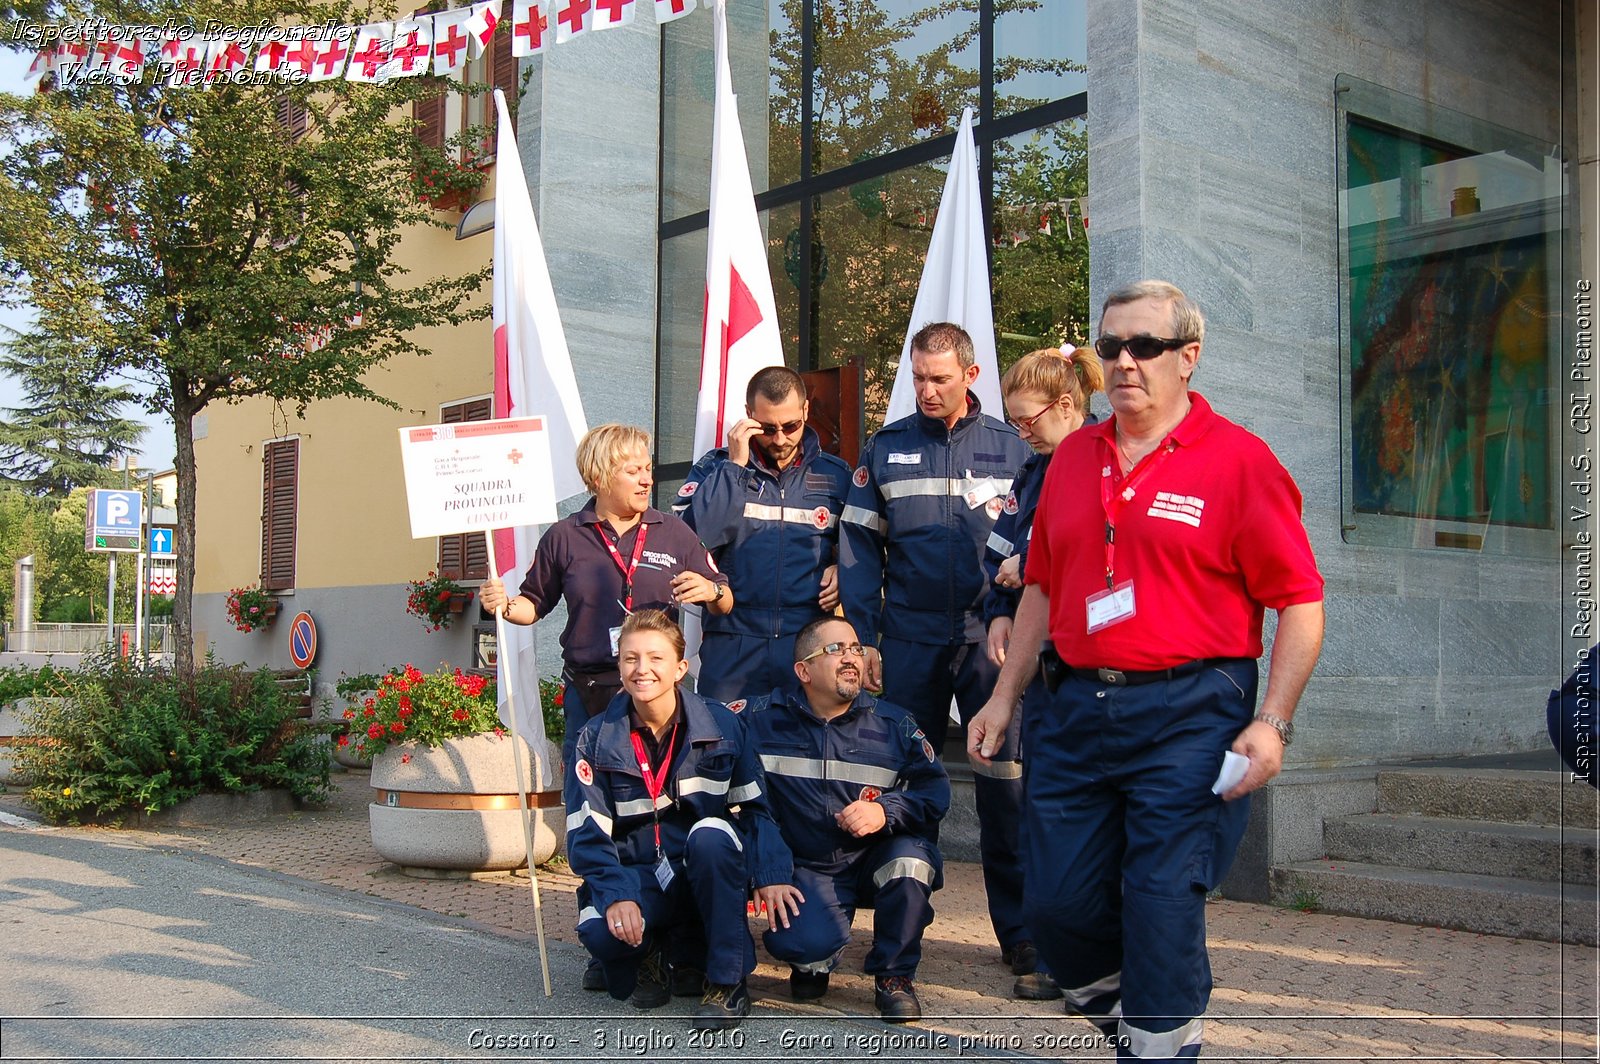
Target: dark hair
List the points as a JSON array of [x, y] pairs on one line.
[[774, 384], [807, 642], [653, 621], [940, 336]]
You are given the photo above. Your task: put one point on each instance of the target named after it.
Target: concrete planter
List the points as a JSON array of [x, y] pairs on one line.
[[454, 807], [13, 733]]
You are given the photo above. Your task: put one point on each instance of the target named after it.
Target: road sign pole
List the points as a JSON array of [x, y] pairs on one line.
[[144, 579], [111, 602]]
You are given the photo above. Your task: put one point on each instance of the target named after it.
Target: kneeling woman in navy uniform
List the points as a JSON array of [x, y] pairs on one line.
[[650, 830]]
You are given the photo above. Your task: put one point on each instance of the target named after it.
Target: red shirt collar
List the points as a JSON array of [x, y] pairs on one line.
[[1195, 424]]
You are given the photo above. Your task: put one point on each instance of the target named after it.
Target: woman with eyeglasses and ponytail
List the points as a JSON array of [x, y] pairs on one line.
[[1046, 395]]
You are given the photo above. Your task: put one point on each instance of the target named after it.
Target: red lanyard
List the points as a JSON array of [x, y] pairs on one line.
[[655, 782], [629, 569], [1112, 501]]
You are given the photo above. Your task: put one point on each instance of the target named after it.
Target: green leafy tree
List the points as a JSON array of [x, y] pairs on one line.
[[70, 432], [193, 239]]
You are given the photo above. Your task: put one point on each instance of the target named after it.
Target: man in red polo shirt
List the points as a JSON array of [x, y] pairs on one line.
[[1162, 535]]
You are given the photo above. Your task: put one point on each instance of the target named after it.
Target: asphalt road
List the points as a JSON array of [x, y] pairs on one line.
[[111, 950]]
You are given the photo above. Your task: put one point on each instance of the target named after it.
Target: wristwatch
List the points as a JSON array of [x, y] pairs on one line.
[[721, 590], [1284, 728]]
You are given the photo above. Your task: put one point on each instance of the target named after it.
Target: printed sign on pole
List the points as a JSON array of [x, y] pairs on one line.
[[113, 520], [163, 542], [474, 476]]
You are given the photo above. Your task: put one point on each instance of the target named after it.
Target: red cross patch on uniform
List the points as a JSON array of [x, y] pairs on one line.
[[860, 479], [688, 489], [585, 772], [738, 704], [819, 517], [927, 748], [1011, 503], [870, 794]]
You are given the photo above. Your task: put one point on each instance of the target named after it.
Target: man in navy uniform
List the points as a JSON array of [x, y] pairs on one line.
[[767, 507], [921, 507], [858, 795]]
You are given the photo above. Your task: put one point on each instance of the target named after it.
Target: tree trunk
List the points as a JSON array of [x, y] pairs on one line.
[[183, 603]]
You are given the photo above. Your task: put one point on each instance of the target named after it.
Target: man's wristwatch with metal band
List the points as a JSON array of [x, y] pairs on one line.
[[1284, 728], [721, 590]]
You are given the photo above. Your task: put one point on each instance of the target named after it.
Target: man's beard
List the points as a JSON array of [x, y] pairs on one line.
[[847, 688]]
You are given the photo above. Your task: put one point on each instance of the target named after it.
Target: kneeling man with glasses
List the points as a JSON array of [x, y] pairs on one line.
[[858, 794]]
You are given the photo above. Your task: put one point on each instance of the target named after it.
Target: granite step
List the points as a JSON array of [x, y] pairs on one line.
[[1447, 844], [1504, 795]]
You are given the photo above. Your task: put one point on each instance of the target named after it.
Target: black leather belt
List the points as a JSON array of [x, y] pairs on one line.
[[1124, 678]]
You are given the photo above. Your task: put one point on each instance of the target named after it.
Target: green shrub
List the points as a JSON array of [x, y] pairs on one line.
[[19, 681], [121, 737]]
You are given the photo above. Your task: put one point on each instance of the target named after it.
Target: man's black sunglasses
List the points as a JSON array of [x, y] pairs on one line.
[[1142, 348]]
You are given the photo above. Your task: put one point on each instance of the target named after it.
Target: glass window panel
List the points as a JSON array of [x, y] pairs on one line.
[[683, 301], [1040, 49], [872, 238], [1451, 234], [890, 73], [784, 263], [688, 89], [1041, 252]]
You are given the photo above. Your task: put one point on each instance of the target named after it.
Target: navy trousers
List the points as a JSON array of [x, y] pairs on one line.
[[895, 877], [1124, 840], [706, 901], [743, 666], [921, 679]]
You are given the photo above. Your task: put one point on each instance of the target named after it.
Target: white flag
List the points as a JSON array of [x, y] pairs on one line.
[[485, 19], [272, 57], [955, 281], [668, 10], [127, 62], [572, 18], [224, 57], [371, 52], [532, 376], [610, 13], [450, 40], [332, 55], [185, 61], [530, 28]]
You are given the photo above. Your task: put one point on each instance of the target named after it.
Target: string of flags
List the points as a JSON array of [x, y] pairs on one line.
[[1048, 215], [184, 55]]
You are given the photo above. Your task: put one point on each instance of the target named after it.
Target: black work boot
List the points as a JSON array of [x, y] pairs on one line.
[[654, 986], [722, 1007], [807, 986], [896, 999]]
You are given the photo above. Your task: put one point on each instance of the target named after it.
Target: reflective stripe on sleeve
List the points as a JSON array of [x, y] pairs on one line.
[[1000, 545], [744, 793], [860, 515], [701, 785], [643, 806], [587, 913], [576, 818]]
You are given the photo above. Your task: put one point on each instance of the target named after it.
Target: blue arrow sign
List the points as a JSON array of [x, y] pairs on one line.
[[161, 543]]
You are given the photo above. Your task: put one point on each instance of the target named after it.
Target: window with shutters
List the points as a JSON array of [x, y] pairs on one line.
[[445, 117], [280, 491], [465, 556]]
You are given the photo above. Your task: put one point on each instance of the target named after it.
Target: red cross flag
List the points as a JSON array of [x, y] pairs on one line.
[[450, 40], [369, 55], [272, 57], [481, 25], [100, 53], [413, 44], [44, 61], [186, 61], [529, 27], [611, 13], [668, 10], [224, 57], [572, 18], [532, 376], [332, 55], [128, 62]]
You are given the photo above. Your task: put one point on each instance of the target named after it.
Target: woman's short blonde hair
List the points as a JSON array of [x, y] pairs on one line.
[[604, 449], [653, 621]]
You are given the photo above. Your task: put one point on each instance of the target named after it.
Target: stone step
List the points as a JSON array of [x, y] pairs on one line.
[[1446, 844], [1506, 795], [1491, 905]]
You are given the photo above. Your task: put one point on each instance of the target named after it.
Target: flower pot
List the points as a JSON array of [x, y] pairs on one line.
[[346, 755], [458, 602], [454, 806]]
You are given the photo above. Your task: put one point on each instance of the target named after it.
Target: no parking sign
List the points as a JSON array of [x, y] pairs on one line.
[[302, 640]]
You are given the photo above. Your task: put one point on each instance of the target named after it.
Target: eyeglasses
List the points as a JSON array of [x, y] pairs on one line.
[[1029, 422], [788, 428], [1143, 348], [840, 649]]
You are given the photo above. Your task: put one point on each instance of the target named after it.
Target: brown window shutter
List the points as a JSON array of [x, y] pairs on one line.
[[279, 502], [429, 115], [293, 116], [464, 556], [505, 79]]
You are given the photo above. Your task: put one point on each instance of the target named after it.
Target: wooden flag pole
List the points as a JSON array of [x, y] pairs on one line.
[[522, 773]]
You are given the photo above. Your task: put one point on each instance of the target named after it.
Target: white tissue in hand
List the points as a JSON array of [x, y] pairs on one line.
[[1234, 766]]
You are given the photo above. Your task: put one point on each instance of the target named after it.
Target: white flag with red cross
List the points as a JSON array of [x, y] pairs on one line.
[[301, 59], [532, 376], [668, 10], [741, 321], [185, 61], [450, 40], [530, 28], [126, 64], [224, 57], [482, 23], [44, 62], [332, 55], [413, 46], [272, 57], [611, 13], [370, 54], [572, 18], [100, 53]]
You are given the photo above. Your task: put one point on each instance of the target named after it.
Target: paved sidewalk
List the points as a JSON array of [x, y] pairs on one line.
[[1289, 985]]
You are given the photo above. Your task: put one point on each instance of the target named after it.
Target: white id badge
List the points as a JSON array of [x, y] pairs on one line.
[[1111, 606], [616, 634], [980, 491], [663, 872]]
